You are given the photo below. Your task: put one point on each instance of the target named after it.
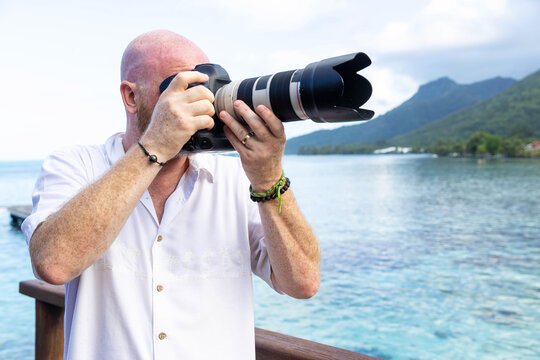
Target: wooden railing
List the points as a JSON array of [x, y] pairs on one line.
[[269, 345]]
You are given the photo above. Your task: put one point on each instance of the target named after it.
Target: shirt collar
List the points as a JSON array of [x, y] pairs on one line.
[[202, 163], [197, 162]]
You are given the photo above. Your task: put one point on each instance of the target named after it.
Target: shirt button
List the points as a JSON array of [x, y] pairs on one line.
[[159, 288], [159, 238], [162, 336]]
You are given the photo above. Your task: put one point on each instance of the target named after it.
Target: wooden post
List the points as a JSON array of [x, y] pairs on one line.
[[49, 318], [49, 331]]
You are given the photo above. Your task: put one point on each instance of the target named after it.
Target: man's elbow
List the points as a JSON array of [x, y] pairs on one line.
[[303, 287], [47, 267], [46, 264], [50, 273], [308, 289]]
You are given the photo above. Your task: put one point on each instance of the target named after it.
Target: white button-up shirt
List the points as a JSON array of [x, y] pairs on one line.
[[179, 289]]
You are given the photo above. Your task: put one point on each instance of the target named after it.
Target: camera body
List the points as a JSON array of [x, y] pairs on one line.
[[207, 140], [330, 90]]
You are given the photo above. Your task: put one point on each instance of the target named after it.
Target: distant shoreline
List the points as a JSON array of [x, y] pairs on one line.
[[472, 157], [488, 157]]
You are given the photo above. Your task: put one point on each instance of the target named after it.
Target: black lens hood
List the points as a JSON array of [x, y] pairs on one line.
[[332, 91]]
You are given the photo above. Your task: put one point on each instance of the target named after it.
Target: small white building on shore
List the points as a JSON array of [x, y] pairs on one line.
[[393, 150]]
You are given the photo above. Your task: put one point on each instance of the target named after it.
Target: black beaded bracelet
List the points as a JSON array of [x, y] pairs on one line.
[[152, 158], [275, 192], [274, 195]]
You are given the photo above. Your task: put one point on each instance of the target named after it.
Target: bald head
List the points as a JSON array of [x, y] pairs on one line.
[[158, 54], [148, 60]]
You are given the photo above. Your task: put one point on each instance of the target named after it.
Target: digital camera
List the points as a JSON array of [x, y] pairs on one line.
[[329, 90]]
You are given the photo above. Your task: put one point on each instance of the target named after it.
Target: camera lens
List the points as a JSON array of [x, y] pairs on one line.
[[330, 90]]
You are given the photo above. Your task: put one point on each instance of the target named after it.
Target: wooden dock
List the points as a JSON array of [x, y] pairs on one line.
[[19, 213]]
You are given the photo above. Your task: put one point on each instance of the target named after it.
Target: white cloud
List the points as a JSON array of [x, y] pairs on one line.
[[46, 112], [258, 63], [282, 60], [276, 15], [445, 24], [389, 88]]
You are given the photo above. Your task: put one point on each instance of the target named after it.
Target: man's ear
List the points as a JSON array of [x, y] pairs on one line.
[[127, 90]]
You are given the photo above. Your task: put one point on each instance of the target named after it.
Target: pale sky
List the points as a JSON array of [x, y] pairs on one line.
[[60, 60]]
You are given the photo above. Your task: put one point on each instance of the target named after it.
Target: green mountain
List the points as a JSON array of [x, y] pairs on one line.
[[514, 112], [433, 101]]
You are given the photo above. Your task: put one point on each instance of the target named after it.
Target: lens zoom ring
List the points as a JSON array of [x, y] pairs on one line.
[[280, 98], [245, 91]]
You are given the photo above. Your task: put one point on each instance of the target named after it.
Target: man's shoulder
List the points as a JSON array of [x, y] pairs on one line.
[[96, 151], [78, 150], [93, 159], [78, 154]]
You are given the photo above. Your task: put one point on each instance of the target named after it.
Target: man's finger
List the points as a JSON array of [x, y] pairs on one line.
[[203, 122], [236, 128], [237, 144], [201, 107], [274, 124], [251, 118], [197, 93], [182, 80]]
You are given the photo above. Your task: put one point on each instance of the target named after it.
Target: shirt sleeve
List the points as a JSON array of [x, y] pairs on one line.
[[62, 177]]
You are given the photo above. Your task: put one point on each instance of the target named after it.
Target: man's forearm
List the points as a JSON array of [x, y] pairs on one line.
[[292, 247], [74, 237]]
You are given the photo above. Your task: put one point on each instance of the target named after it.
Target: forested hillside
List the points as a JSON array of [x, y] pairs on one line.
[[433, 101], [514, 112]]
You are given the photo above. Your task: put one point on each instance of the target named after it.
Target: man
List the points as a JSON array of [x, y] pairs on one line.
[[157, 260]]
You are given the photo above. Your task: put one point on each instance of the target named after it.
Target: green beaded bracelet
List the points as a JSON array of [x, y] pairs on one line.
[[275, 191]]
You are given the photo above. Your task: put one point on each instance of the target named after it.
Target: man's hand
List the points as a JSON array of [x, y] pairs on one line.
[[262, 152], [178, 114]]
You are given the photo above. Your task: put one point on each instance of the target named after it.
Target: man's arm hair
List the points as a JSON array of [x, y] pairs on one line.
[[292, 247], [74, 237]]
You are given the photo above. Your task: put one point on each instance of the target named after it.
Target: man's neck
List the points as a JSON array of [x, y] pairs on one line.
[[166, 181]]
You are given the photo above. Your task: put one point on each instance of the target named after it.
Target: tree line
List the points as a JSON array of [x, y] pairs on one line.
[[484, 144], [337, 149], [479, 144]]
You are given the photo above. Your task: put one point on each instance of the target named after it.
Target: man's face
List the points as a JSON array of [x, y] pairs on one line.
[[149, 86]]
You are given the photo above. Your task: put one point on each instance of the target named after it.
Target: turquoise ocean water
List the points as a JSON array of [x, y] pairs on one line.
[[422, 258]]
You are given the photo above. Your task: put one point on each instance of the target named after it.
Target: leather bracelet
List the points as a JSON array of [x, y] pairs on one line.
[[152, 158]]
